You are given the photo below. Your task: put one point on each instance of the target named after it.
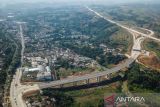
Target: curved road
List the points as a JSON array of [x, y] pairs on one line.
[[127, 28], [17, 90]]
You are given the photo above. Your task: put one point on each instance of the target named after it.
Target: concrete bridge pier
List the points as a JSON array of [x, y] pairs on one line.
[[87, 81], [108, 76], [98, 79], [61, 85]]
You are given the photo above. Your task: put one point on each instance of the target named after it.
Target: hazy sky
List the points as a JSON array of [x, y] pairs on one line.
[[80, 1]]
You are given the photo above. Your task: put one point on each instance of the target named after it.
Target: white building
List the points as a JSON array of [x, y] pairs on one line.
[[45, 74]]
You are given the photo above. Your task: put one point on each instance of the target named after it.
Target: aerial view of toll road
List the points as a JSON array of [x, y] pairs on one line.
[[79, 53]]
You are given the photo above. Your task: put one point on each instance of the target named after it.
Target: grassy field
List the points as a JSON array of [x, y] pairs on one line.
[[63, 73], [123, 40], [152, 46], [93, 97]]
